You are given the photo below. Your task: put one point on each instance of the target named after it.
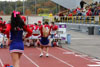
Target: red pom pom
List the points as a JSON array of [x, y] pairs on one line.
[[31, 25], [23, 18], [55, 27], [6, 65]]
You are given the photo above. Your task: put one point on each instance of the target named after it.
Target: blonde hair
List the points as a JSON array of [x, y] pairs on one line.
[[45, 31]]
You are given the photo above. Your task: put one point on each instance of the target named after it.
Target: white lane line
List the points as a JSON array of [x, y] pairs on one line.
[[68, 53], [94, 65], [58, 59], [83, 56], [95, 59], [76, 54], [61, 60], [80, 38], [1, 63], [98, 62], [31, 60], [62, 49]]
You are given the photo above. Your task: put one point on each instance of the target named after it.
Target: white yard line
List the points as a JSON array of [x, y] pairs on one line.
[[31, 60]]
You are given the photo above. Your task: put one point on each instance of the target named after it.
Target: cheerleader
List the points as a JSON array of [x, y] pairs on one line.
[[39, 23], [44, 41], [16, 28], [35, 34], [36, 31], [53, 29]]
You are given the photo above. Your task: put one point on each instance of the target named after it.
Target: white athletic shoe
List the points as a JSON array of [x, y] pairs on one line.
[[47, 55], [41, 54]]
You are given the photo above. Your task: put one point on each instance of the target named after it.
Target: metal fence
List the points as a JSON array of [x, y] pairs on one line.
[[76, 19], [65, 19], [30, 19]]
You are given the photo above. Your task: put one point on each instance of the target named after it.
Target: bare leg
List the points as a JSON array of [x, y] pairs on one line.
[[47, 49], [15, 58], [20, 54], [41, 51]]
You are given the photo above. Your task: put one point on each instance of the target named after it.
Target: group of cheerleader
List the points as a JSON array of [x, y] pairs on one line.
[[3, 38], [14, 31], [41, 35], [33, 40]]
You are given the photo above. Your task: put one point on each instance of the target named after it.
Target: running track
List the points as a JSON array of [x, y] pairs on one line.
[[59, 57]]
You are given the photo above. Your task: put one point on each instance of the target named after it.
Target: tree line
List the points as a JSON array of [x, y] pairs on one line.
[[31, 7]]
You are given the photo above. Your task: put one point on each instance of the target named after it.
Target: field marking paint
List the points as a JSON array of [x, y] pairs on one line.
[[77, 55], [31, 60], [84, 57], [80, 38], [1, 63], [98, 62], [81, 55], [62, 49], [58, 59], [68, 53], [95, 60], [94, 65]]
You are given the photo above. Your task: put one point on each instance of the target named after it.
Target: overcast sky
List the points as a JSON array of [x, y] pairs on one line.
[[11, 0]]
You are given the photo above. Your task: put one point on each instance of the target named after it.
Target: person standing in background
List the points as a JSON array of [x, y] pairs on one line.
[[44, 40], [82, 4]]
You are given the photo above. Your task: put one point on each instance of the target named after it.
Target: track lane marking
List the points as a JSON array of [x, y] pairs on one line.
[[83, 56], [76, 55], [94, 65], [1, 63], [58, 59], [31, 60]]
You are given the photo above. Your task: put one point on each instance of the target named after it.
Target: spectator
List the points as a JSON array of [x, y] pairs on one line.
[[82, 4]]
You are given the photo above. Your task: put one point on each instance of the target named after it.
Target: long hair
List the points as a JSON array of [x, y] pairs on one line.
[[16, 22]]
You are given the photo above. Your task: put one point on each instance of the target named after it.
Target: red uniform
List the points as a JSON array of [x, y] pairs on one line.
[[35, 29], [41, 30], [44, 41], [23, 18], [54, 27], [26, 28]]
